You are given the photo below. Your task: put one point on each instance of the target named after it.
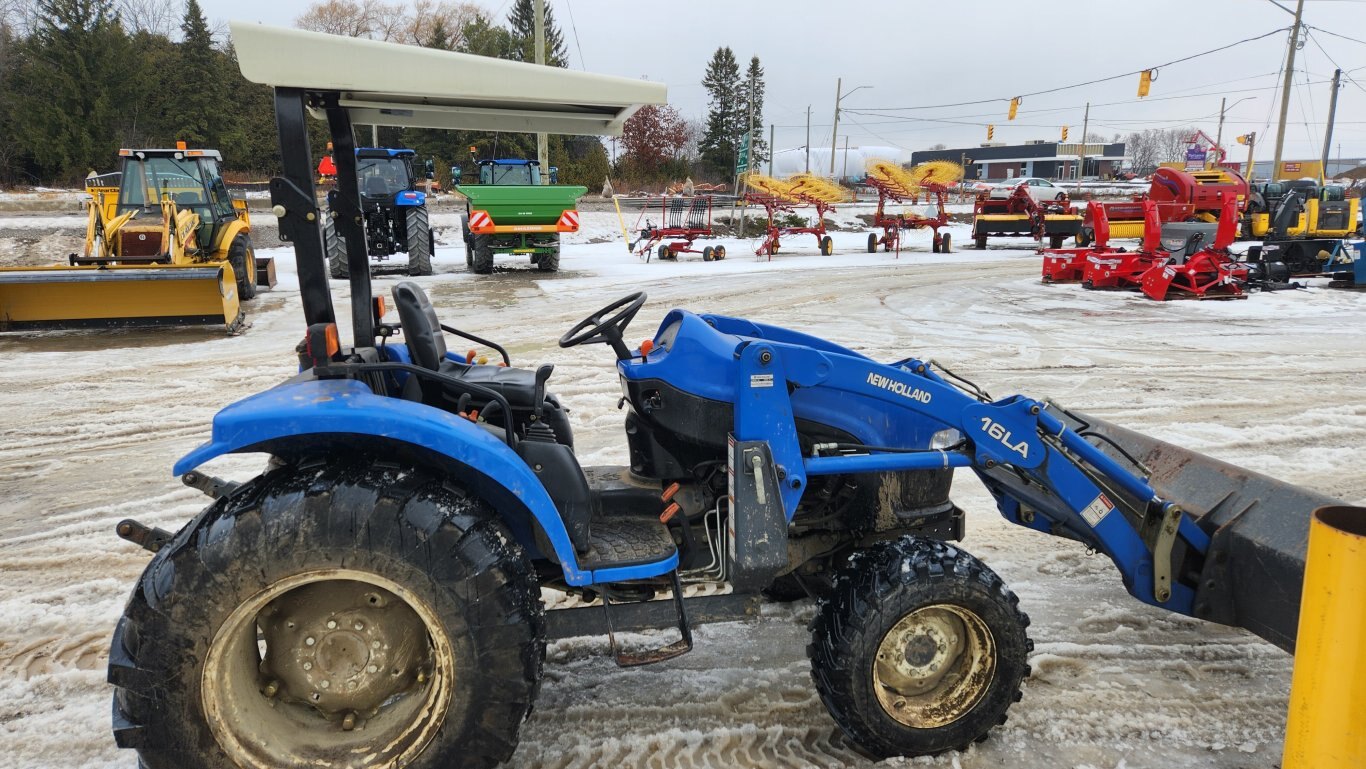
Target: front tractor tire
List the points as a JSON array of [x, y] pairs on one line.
[[420, 242], [338, 614], [920, 648]]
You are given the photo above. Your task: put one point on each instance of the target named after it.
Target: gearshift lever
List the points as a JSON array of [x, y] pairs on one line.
[[543, 373]]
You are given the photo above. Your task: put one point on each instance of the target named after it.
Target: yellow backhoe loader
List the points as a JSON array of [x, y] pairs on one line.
[[168, 245]]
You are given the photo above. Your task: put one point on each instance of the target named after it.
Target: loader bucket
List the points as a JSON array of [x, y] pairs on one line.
[[1252, 575], [76, 297]]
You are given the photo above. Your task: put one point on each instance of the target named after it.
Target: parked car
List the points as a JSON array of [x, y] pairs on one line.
[[1042, 190]]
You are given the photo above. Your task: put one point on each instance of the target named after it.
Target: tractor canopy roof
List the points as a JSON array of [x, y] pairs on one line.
[[509, 162], [170, 153], [436, 88], [383, 152]]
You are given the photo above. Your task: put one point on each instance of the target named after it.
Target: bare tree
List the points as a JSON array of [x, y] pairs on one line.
[[1173, 145], [157, 17], [450, 17], [340, 17], [1142, 149]]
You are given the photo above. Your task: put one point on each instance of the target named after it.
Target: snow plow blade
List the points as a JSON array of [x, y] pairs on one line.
[[1258, 526], [117, 296]]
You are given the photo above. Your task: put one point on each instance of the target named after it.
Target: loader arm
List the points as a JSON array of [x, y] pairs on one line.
[[1048, 471]]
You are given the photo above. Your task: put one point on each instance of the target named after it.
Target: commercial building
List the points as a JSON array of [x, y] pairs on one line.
[[1049, 160]]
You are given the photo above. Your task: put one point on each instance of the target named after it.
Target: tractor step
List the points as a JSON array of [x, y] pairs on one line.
[[620, 541], [631, 659]]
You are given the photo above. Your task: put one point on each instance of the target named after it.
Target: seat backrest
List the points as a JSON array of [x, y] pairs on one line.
[[421, 329], [375, 187]]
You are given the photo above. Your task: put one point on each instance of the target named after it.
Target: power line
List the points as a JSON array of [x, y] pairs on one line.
[[1091, 82], [575, 28]]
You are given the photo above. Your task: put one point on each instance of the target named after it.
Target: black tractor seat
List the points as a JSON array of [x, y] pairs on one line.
[[427, 345]]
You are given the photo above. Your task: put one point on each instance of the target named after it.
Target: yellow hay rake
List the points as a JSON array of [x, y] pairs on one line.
[[785, 195]]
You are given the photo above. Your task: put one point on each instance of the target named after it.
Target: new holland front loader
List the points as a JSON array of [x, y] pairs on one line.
[[168, 246], [373, 598]]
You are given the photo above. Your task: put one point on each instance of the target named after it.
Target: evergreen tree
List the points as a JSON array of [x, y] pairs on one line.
[[725, 119], [522, 21], [758, 152], [198, 114], [68, 86]]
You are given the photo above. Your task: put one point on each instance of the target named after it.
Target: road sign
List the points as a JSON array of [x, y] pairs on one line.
[[1195, 158], [742, 159]]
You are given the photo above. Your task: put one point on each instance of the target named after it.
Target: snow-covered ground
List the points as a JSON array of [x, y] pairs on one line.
[[90, 424]]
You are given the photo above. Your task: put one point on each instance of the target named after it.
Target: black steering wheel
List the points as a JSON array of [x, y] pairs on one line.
[[595, 328]]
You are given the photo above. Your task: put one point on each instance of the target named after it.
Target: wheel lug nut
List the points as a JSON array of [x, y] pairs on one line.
[[349, 721], [374, 644], [359, 625], [331, 624], [372, 669], [271, 689], [309, 641], [899, 704], [325, 684], [308, 666]]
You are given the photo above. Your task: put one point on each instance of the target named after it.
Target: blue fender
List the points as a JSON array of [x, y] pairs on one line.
[[410, 198], [348, 407]]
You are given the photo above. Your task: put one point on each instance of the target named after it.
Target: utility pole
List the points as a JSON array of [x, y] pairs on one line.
[[835, 130], [1328, 132], [1081, 153], [771, 151], [542, 146], [808, 138], [846, 156], [1219, 133], [1285, 89]]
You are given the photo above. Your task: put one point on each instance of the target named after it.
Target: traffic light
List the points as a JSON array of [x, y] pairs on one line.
[[991, 131], [1064, 133], [1242, 139], [1014, 107], [1145, 81]]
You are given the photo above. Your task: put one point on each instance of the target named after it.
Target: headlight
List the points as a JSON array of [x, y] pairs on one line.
[[945, 438]]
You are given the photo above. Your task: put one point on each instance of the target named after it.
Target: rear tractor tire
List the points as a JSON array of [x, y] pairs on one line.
[[335, 249], [920, 648], [482, 263], [337, 615], [243, 260], [420, 241]]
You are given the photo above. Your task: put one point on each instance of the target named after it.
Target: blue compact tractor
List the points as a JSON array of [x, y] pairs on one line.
[[374, 598]]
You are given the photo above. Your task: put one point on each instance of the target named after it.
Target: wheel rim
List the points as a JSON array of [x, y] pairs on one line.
[[934, 666], [325, 667]]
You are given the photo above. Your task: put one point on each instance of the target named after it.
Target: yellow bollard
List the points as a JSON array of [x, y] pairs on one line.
[[1326, 726]]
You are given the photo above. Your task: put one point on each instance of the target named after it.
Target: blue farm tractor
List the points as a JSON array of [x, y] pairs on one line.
[[392, 208], [374, 597]]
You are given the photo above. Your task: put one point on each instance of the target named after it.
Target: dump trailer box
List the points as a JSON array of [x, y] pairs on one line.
[[1258, 527], [116, 295], [522, 208]]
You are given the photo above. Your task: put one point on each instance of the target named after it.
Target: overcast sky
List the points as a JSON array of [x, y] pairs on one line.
[[921, 54]]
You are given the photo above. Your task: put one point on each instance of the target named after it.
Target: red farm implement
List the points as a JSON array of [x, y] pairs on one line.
[[1018, 214], [682, 221], [785, 196], [1181, 196], [895, 184], [1173, 261]]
